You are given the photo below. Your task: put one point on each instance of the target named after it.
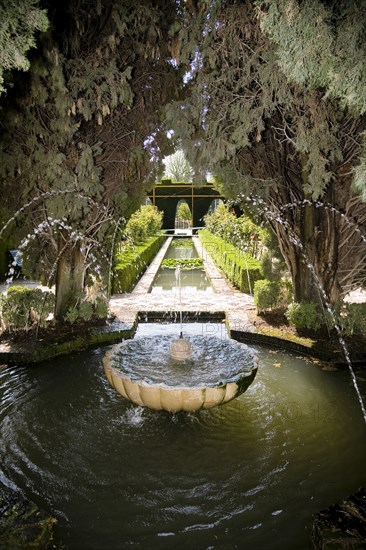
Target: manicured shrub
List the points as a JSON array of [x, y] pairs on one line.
[[21, 307], [265, 294], [305, 315], [272, 294]]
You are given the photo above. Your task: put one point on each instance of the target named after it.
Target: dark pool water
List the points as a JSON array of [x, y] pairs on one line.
[[249, 474]]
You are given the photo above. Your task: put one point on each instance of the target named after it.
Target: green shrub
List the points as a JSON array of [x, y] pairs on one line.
[[22, 307], [272, 267], [266, 294], [272, 294], [241, 269], [144, 223], [305, 315], [131, 261], [352, 319]]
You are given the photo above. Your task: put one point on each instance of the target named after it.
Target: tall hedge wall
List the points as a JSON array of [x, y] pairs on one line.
[[233, 262], [131, 261]]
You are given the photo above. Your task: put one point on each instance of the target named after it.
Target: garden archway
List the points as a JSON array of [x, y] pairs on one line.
[[167, 195]]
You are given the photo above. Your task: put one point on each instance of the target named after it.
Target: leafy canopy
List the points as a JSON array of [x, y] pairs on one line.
[[19, 24]]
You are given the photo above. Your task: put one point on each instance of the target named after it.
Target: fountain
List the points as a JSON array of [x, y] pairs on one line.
[[178, 470], [180, 374], [148, 374]]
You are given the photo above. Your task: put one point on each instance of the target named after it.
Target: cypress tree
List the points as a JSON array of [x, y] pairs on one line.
[[271, 124], [85, 120]]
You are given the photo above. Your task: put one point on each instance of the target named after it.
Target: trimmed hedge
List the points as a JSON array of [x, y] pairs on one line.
[[236, 265], [131, 261]]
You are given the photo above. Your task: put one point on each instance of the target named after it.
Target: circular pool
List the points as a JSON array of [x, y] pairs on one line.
[[248, 474]]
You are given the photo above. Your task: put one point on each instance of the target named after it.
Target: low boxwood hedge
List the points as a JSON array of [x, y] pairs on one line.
[[238, 267], [131, 261]]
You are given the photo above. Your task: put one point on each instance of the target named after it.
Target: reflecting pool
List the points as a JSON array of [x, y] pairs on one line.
[[191, 280]]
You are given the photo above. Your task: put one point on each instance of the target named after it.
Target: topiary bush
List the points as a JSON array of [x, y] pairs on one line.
[[266, 294], [305, 315], [272, 294], [21, 307]]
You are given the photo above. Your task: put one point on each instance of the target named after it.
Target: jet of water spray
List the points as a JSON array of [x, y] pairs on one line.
[[178, 281], [278, 218]]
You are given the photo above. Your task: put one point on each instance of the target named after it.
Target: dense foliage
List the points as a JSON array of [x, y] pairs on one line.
[[79, 129], [305, 315], [19, 23], [143, 223], [240, 231], [22, 307], [270, 295], [270, 98], [270, 111]]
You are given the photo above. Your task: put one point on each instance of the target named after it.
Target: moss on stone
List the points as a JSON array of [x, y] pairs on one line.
[[22, 524], [40, 351]]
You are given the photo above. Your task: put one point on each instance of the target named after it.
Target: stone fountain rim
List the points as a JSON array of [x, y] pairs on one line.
[[235, 378], [144, 383]]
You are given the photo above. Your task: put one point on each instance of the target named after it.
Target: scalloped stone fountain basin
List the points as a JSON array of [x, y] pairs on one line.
[[216, 371]]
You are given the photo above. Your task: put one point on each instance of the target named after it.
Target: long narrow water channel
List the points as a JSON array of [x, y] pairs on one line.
[[249, 474], [192, 280]]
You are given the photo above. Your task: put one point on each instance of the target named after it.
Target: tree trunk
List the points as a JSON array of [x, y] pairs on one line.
[[323, 250], [70, 275]]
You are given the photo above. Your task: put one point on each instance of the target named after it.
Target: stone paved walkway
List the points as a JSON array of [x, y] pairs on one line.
[[224, 299]]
